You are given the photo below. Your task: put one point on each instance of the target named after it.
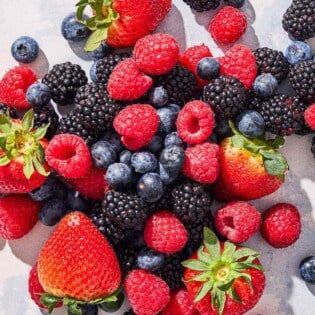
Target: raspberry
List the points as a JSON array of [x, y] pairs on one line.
[[190, 58], [237, 221], [147, 293], [127, 82], [68, 155], [137, 125], [164, 233], [228, 25], [14, 85], [309, 116], [202, 162], [281, 225], [240, 62], [156, 54], [195, 122], [93, 185]]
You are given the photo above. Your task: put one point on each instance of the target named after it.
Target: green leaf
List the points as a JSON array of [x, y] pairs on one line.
[[82, 2], [229, 249], [195, 264], [221, 299], [234, 295], [4, 119], [212, 244], [40, 154], [277, 142], [39, 167], [244, 252], [39, 133], [107, 3], [203, 256], [91, 23], [50, 301], [202, 277], [4, 160], [2, 143], [95, 39], [73, 308], [28, 120], [204, 290], [5, 129], [226, 286], [275, 164], [80, 12], [28, 167], [238, 141]]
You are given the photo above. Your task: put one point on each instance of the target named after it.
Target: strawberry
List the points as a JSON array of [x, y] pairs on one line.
[[22, 163], [222, 278], [78, 265], [249, 168], [121, 22]]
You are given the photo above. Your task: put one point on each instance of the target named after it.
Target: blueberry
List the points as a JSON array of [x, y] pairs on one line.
[[38, 95], [307, 269], [265, 85], [103, 154], [208, 68], [86, 309], [112, 307], [119, 175], [251, 123], [144, 162], [173, 139], [172, 158], [150, 260], [125, 157], [167, 176], [156, 145], [75, 202], [235, 3], [168, 116], [158, 96], [100, 52], [150, 187], [297, 52], [73, 30], [52, 211], [25, 49], [93, 72], [114, 139]]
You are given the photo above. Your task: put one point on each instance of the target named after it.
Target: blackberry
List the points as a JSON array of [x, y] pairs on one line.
[[283, 114], [4, 109], [126, 210], [130, 312], [43, 117], [272, 61], [299, 19], [203, 5], [313, 147], [164, 203], [127, 256], [63, 80], [226, 95], [105, 66], [179, 84], [302, 80]]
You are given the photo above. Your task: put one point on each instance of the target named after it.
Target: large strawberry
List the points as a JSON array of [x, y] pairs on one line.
[[249, 168], [77, 265], [222, 278], [121, 22], [22, 163]]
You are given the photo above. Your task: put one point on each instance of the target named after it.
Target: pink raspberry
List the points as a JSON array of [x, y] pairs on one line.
[[309, 116]]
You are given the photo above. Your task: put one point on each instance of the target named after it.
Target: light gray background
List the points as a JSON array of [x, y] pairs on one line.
[[285, 293]]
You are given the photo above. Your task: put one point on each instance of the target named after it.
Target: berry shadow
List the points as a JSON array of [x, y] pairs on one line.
[[2, 243], [78, 50], [41, 65]]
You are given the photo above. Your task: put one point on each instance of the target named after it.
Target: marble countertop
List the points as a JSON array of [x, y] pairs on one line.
[[286, 293]]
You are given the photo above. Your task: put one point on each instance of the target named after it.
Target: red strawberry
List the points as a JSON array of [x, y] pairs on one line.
[[125, 21], [18, 215], [281, 225], [190, 59], [237, 221], [164, 233], [240, 62], [222, 278], [309, 116], [156, 54], [147, 293], [93, 185], [68, 155], [127, 82], [22, 164], [14, 85], [181, 303], [77, 263]]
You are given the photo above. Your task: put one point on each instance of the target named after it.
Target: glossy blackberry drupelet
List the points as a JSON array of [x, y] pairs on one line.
[[302, 80], [125, 210], [283, 114], [299, 19], [179, 84], [203, 5], [272, 61], [63, 81], [313, 147], [106, 65], [4, 109], [226, 96], [47, 115], [127, 256]]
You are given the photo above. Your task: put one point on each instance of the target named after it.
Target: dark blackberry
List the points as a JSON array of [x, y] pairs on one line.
[[203, 5], [126, 210], [43, 117], [105, 66], [283, 114], [299, 19], [226, 95], [179, 84], [164, 203], [130, 312], [4, 109], [313, 147], [63, 80], [302, 80], [127, 256], [272, 61]]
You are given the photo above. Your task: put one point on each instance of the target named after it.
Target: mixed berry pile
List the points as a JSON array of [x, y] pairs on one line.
[[129, 174]]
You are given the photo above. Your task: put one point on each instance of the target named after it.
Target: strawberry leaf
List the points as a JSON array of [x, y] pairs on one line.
[[28, 120], [238, 141], [50, 301], [226, 286], [2, 143], [28, 167], [94, 41], [277, 142], [274, 163], [229, 249], [244, 252], [195, 264], [212, 244], [233, 294], [221, 299], [202, 277], [4, 160], [202, 256], [203, 291], [40, 132], [39, 167]]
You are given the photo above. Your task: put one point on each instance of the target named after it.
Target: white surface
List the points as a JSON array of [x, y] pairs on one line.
[[285, 293]]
